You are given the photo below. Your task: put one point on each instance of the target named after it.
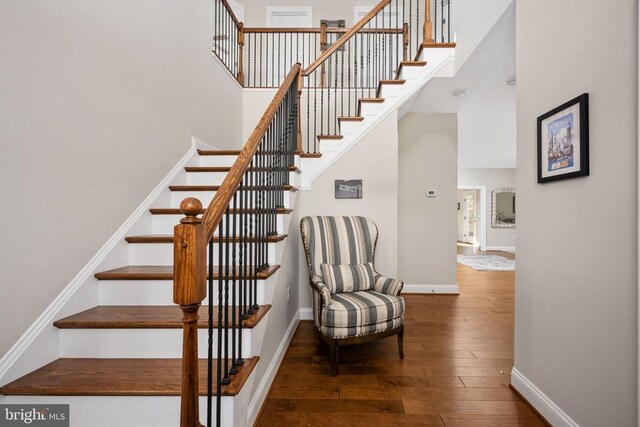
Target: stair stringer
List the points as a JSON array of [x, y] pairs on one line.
[[41, 344], [439, 64]]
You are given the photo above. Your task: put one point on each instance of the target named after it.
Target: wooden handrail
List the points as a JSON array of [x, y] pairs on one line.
[[316, 30], [233, 15], [345, 38], [225, 193]]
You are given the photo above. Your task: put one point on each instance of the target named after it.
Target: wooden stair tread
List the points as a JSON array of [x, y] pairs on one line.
[[118, 377], [176, 211], [161, 272], [372, 100], [413, 63], [218, 152], [168, 238], [351, 119], [435, 45], [145, 317], [330, 137], [285, 187], [311, 155], [292, 168], [393, 82]]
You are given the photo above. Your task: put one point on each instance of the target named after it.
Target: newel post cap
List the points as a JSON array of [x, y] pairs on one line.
[[191, 208]]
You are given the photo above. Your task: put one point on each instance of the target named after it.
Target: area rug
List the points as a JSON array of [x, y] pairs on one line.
[[487, 262]]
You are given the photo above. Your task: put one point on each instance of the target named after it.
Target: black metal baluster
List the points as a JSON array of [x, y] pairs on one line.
[[210, 334], [226, 380], [219, 329], [234, 246]]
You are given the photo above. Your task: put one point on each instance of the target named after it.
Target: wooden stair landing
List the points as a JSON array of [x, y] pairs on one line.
[[145, 317], [163, 272], [168, 238], [118, 377]]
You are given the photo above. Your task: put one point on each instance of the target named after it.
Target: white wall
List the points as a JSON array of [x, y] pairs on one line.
[[576, 324], [374, 160], [98, 101], [427, 227], [492, 179]]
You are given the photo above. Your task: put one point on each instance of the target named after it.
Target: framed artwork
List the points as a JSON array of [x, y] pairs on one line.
[[563, 141], [348, 188]]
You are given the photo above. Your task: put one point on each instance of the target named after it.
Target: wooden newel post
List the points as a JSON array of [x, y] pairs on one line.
[[405, 42], [299, 137], [189, 289], [323, 47], [428, 27], [241, 53]]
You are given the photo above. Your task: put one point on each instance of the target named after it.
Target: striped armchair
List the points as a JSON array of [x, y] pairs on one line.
[[352, 303]]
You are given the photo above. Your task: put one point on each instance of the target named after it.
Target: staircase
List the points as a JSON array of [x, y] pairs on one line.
[[212, 241]]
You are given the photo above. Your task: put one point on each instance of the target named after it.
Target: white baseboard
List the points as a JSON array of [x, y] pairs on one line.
[[430, 289], [46, 319], [511, 249], [306, 313], [547, 408], [265, 384]]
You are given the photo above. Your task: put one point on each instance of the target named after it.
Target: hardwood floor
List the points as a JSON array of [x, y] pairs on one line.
[[457, 351]]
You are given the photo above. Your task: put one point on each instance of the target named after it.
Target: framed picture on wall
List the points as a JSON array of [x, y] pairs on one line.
[[563, 141], [348, 188]]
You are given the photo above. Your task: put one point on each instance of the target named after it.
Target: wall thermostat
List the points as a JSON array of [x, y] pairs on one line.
[[432, 193]]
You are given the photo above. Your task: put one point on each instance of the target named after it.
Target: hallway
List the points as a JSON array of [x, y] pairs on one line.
[[455, 350]]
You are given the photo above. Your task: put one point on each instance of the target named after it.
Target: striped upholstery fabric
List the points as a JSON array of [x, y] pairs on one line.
[[348, 278], [342, 244], [338, 240], [359, 313]]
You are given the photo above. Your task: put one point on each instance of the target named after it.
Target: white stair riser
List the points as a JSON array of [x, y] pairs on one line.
[[164, 224], [160, 292], [127, 411], [224, 161], [390, 91], [141, 343], [347, 127], [411, 72], [205, 198], [370, 108], [329, 145], [162, 253], [216, 178]]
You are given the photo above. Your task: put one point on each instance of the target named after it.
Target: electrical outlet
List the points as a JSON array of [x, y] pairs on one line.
[[289, 294]]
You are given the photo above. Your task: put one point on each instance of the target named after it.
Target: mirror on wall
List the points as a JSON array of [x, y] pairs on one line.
[[503, 208]]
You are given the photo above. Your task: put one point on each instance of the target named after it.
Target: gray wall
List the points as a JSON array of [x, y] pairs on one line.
[[576, 281], [427, 227], [98, 101], [492, 179], [375, 161]]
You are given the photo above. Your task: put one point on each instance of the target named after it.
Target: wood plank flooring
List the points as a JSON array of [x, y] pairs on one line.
[[457, 351]]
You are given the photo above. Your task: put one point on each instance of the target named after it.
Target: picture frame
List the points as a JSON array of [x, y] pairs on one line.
[[563, 141], [348, 189]]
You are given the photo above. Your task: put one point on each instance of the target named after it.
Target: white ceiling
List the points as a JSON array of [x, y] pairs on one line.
[[486, 115]]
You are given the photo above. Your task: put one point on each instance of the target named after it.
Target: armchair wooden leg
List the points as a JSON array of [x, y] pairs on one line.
[[334, 358], [400, 343]]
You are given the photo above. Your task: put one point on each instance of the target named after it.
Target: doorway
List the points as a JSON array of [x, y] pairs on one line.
[[470, 217], [472, 206]]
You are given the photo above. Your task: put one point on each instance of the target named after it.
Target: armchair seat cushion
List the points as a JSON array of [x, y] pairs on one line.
[[360, 309], [360, 330]]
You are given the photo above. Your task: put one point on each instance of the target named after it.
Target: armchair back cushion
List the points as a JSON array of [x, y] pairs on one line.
[[338, 240], [348, 277]]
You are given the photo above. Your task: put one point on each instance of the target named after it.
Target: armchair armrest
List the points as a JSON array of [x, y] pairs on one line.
[[318, 285], [388, 286]]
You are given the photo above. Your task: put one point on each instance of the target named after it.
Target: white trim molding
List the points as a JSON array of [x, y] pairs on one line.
[[269, 375], [306, 313], [511, 249], [430, 289], [543, 404]]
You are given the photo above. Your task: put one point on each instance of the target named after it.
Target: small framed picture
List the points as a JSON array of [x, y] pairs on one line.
[[348, 188], [563, 141]]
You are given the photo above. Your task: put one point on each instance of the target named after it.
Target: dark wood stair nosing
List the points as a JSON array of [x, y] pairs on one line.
[[117, 377], [176, 211], [311, 155], [321, 137], [145, 317], [160, 273], [168, 238], [351, 119]]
